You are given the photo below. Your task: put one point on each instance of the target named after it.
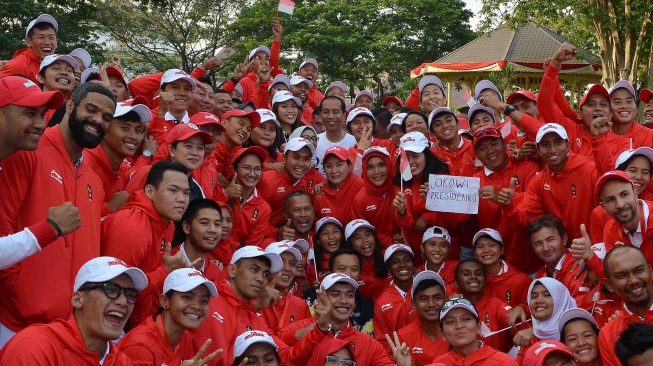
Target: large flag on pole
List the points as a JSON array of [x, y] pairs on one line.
[[286, 6]]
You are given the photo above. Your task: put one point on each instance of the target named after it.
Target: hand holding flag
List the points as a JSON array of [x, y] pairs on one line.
[[286, 6], [404, 166]]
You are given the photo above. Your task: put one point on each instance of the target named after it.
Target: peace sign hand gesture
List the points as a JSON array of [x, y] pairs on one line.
[[198, 360], [400, 351]]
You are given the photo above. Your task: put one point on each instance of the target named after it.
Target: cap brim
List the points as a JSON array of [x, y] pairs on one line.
[[271, 343], [302, 244], [458, 305], [369, 226], [644, 150], [213, 291], [645, 95], [190, 80], [52, 100], [407, 250], [112, 71], [83, 55], [275, 262], [415, 149], [348, 280], [137, 276], [428, 275], [143, 112], [309, 145], [573, 314], [329, 220], [208, 139]]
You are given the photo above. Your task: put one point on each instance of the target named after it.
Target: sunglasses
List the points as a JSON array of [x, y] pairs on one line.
[[335, 361], [311, 138], [447, 305], [211, 130], [113, 291], [487, 131]]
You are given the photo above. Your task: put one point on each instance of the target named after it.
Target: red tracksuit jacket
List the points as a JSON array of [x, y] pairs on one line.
[[148, 345], [231, 317], [287, 310], [517, 250], [423, 350], [137, 235], [611, 332], [111, 181], [273, 189], [614, 231], [565, 275], [461, 161], [484, 356], [392, 311], [369, 285], [37, 290], [367, 351], [510, 286], [493, 312], [599, 219], [447, 272], [337, 202], [24, 62], [251, 219], [58, 343], [147, 86]]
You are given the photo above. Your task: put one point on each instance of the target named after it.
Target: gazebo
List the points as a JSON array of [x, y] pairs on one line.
[[525, 48]]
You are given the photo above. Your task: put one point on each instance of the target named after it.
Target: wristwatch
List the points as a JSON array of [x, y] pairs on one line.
[[147, 154], [324, 331], [509, 109]]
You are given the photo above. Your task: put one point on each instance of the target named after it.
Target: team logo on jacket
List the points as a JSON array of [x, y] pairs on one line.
[[249, 328], [165, 128], [310, 183], [163, 244], [385, 307], [516, 181], [56, 176], [325, 211], [219, 317], [547, 187], [573, 190], [255, 214], [370, 208], [417, 350], [508, 295], [90, 192], [211, 180], [487, 318], [281, 189], [292, 318], [578, 142]]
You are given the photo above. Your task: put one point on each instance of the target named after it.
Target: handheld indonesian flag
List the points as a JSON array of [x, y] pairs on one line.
[[404, 166], [286, 6]]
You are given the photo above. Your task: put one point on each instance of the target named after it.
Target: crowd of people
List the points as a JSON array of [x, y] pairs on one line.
[[160, 221]]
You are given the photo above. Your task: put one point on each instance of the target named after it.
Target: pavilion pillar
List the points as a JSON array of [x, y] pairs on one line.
[[572, 99], [449, 94]]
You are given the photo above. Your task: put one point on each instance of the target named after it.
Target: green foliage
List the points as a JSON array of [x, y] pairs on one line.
[[365, 43], [73, 16]]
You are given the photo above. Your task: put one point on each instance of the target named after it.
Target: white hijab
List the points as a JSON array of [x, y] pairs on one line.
[[562, 301]]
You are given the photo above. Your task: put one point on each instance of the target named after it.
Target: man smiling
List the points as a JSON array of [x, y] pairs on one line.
[[175, 92]]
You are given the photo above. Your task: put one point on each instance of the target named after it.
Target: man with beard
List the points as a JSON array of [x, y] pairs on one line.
[[36, 290], [629, 275], [631, 217]]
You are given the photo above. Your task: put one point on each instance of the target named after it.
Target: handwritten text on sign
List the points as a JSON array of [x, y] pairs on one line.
[[448, 193]]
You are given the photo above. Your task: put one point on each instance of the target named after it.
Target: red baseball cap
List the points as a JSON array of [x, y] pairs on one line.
[[206, 118], [596, 88], [23, 92], [536, 354], [484, 132], [615, 174], [184, 131], [523, 94], [338, 151], [392, 98], [113, 71], [645, 95], [252, 150], [254, 117]]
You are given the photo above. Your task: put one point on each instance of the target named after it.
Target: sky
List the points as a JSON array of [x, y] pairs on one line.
[[475, 7]]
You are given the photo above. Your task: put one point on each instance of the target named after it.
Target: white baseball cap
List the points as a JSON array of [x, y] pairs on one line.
[[267, 115], [428, 80], [361, 93], [624, 156], [574, 313], [86, 73], [478, 107], [127, 106], [239, 89], [251, 251], [280, 247], [43, 18], [298, 143], [280, 79], [430, 234], [395, 248], [176, 74], [356, 224], [303, 244], [336, 84], [397, 119], [414, 141], [428, 275], [375, 149], [258, 49], [487, 232], [327, 220], [486, 84], [358, 111], [283, 96], [48, 60], [246, 339], [103, 269], [186, 279], [551, 128], [310, 61], [295, 80], [438, 111], [83, 55], [457, 303], [625, 85], [333, 278]]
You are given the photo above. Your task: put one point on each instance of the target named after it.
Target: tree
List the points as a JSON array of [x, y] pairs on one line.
[[158, 35], [365, 43], [73, 17], [619, 30]]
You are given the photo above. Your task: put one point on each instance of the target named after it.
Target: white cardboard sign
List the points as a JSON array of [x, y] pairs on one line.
[[449, 193]]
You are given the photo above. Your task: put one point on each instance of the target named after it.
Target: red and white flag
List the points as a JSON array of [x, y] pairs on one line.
[[286, 6], [404, 166]]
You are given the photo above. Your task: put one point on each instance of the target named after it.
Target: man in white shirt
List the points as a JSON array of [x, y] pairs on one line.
[[333, 116]]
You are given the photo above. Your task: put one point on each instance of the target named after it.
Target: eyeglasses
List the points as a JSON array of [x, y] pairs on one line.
[[311, 138], [113, 291], [335, 361], [447, 305], [248, 170], [486, 131], [211, 130]]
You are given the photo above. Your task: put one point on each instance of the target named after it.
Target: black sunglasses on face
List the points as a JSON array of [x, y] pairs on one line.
[[113, 291]]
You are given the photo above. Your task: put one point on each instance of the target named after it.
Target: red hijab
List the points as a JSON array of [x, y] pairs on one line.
[[388, 187]]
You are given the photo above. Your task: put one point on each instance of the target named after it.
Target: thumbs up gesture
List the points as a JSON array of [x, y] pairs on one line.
[[581, 248], [286, 232], [504, 198], [233, 190]]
